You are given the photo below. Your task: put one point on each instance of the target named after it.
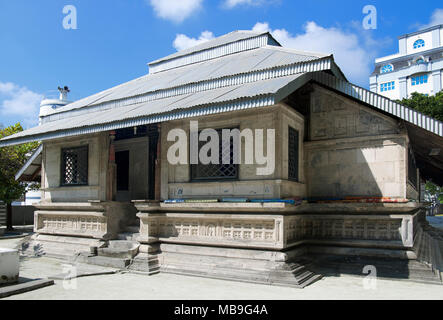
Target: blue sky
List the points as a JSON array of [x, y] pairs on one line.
[[114, 40]]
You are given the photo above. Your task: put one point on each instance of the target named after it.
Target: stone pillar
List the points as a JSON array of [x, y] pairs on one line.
[[158, 166], [43, 175], [149, 224], [111, 181]]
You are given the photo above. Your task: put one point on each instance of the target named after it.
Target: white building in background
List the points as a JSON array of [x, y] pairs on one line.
[[31, 170], [417, 67]]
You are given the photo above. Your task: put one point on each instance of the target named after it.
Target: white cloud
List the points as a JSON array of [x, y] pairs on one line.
[[354, 51], [436, 18], [19, 101], [182, 41], [175, 10], [7, 87], [233, 3]]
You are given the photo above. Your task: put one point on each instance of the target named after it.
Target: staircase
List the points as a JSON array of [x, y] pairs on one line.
[[220, 265], [386, 268], [428, 245], [123, 253], [2, 214]]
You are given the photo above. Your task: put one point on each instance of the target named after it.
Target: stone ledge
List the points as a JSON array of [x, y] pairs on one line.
[[244, 207], [360, 208], [70, 206], [71, 213], [278, 207], [24, 287]]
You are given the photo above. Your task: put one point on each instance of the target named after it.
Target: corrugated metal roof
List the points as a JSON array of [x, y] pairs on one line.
[[225, 99], [248, 79], [240, 79], [233, 36], [243, 64], [232, 98]]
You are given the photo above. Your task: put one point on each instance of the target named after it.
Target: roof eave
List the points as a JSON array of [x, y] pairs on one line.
[[33, 160]]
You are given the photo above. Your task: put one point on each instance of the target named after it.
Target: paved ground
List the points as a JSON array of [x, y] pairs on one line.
[[169, 286]]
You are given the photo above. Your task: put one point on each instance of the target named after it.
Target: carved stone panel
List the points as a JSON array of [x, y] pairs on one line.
[[253, 231]]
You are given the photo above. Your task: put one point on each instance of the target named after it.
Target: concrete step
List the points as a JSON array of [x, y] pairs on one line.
[[146, 263], [255, 271], [296, 268], [386, 268], [123, 249], [118, 263]]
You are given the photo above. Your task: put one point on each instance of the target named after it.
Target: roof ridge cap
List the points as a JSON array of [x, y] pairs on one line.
[[301, 52], [190, 52]]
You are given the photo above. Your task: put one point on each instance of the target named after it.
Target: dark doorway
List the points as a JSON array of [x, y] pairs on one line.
[[122, 162]]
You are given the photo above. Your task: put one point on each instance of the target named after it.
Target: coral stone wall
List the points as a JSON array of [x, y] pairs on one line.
[[353, 151]]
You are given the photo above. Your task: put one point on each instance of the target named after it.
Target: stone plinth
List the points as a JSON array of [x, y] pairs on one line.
[[66, 229], [9, 266], [236, 225], [279, 226], [271, 242], [94, 219]]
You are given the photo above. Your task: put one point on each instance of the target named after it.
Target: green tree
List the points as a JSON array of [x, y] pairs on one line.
[[11, 160], [428, 105], [433, 107], [434, 194]]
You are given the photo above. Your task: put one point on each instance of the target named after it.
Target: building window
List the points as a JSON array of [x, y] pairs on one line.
[[419, 44], [388, 86], [293, 154], [387, 68], [419, 80], [216, 171], [74, 169]]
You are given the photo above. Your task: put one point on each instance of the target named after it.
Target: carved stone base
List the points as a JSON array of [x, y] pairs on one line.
[[257, 266], [93, 219], [145, 263], [57, 246]]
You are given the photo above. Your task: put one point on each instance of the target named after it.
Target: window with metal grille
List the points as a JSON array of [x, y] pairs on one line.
[[216, 171], [74, 171], [293, 153]]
